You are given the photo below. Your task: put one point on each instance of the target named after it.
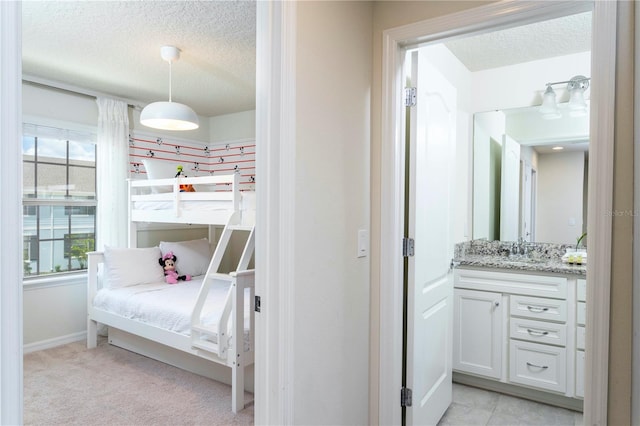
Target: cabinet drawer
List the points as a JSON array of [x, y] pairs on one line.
[[580, 338], [538, 331], [536, 365], [513, 283], [580, 374], [538, 308], [581, 313], [582, 290]]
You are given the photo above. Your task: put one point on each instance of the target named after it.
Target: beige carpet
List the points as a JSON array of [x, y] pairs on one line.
[[72, 385]]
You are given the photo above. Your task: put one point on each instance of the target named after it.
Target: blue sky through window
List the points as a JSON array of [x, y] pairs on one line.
[[56, 148]]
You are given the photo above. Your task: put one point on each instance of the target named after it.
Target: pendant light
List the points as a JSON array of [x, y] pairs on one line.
[[169, 115]]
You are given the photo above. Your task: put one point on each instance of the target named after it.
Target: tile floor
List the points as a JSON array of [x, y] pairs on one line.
[[472, 406]]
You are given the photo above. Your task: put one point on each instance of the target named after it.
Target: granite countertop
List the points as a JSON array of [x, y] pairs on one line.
[[520, 263], [491, 254]]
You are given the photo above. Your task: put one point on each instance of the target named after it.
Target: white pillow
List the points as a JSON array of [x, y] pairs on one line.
[[192, 257], [204, 187], [125, 267], [160, 169]]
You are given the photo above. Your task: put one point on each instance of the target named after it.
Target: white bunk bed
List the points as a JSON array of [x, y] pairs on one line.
[[206, 333]]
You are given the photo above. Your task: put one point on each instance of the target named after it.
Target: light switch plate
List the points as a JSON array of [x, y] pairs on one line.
[[363, 243]]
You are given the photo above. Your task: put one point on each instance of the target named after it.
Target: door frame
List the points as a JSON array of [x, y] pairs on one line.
[[474, 21], [275, 198], [10, 167]]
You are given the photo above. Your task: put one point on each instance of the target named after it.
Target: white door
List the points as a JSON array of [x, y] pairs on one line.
[[510, 190], [430, 285], [534, 192], [525, 202]]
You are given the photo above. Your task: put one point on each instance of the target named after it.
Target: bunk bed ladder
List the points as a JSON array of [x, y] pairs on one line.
[[199, 331]]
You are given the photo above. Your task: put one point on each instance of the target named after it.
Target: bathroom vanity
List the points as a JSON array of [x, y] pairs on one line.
[[519, 321]]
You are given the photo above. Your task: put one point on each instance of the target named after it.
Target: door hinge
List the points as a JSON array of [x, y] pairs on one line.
[[406, 397], [257, 303], [408, 247], [410, 96]]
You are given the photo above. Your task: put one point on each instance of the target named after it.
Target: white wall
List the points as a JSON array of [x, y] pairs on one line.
[[560, 192], [230, 127], [56, 105], [61, 106], [522, 85], [152, 235], [54, 312], [331, 330]]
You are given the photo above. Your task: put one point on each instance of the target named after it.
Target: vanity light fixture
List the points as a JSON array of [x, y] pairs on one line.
[[577, 105], [557, 148], [576, 87], [169, 115], [549, 108]]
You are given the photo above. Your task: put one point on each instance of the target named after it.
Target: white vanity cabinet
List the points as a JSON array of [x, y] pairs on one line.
[[478, 337], [520, 328]]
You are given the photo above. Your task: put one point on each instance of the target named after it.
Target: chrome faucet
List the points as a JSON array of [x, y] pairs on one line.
[[515, 249], [519, 247]]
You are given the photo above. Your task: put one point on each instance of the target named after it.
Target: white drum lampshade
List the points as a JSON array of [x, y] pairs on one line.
[[169, 116]]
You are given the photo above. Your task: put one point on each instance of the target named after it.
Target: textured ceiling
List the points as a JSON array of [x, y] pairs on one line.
[[546, 39], [114, 47]]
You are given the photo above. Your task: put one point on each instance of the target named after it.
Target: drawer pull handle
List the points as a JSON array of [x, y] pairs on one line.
[[543, 367], [537, 332], [537, 309]]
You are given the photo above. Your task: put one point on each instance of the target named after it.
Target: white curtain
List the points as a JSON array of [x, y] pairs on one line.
[[112, 171]]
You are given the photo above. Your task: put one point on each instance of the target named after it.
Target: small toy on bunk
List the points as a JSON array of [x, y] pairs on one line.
[[184, 188], [168, 263]]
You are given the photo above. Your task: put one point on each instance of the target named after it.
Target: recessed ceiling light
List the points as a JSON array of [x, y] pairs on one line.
[[557, 148]]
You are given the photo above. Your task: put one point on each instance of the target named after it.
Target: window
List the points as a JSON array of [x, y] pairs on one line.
[[59, 200]]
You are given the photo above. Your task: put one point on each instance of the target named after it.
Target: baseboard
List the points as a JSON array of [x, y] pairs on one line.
[[520, 391], [52, 343]]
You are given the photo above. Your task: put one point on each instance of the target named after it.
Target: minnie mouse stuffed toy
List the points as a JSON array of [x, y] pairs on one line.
[[168, 262]]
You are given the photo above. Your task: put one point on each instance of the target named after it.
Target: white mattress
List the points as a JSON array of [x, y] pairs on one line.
[[167, 306], [184, 205], [247, 203]]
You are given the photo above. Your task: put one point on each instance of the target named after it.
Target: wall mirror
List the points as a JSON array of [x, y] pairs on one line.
[[530, 175]]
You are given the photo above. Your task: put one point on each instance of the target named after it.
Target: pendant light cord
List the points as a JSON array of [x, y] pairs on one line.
[[170, 81]]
